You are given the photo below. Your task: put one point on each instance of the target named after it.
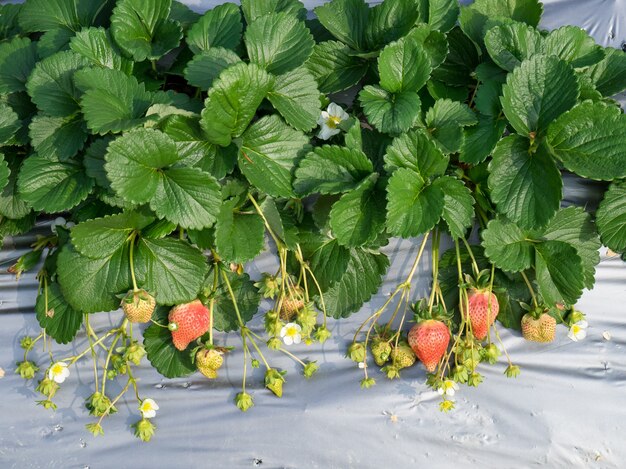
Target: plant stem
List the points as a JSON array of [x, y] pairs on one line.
[[471, 254], [530, 289], [289, 354], [93, 351], [132, 263]]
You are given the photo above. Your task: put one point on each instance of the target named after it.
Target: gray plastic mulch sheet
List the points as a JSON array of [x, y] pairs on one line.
[[566, 409]]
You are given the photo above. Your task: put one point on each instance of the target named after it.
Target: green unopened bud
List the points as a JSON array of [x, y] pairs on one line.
[[273, 324], [268, 286], [310, 369], [356, 352], [47, 387], [47, 404], [474, 379], [95, 429], [244, 401], [512, 371], [119, 364], [27, 342], [274, 343], [460, 374], [307, 318], [322, 334], [172, 326], [99, 404], [392, 371], [134, 353], [26, 369], [575, 316], [367, 383], [144, 429], [491, 353], [255, 363]]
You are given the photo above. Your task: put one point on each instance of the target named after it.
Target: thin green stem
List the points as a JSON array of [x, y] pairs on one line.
[[132, 262], [254, 344], [471, 254], [114, 401], [530, 289], [289, 354], [93, 351]]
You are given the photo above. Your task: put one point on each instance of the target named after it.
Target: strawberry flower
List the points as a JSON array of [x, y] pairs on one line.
[[578, 331], [329, 121], [290, 333], [148, 408], [58, 372], [448, 387]]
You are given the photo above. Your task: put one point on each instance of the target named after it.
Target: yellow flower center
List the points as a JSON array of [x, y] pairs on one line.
[[291, 332], [448, 385], [146, 406], [333, 121], [576, 329], [57, 369]]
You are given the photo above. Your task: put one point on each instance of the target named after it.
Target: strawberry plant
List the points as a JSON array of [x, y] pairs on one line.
[[172, 149]]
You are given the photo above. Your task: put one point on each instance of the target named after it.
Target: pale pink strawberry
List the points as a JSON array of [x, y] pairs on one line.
[[429, 340], [483, 308], [188, 322]]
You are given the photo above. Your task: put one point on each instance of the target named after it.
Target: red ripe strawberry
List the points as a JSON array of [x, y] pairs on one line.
[[429, 340], [483, 308], [188, 322]]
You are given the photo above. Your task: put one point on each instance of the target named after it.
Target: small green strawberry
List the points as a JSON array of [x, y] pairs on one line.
[[403, 355], [274, 380], [381, 350]]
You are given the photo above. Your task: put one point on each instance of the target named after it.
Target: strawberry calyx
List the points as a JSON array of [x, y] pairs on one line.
[[424, 313]]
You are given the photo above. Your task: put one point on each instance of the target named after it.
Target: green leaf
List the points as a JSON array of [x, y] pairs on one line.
[[331, 170], [480, 140], [9, 123], [91, 285], [239, 237], [96, 45], [433, 42], [390, 113], [414, 150], [403, 66], [559, 272], [219, 27], [609, 75], [269, 153], [296, 97], [205, 67], [53, 41], [5, 172], [132, 161], [102, 237], [188, 197], [113, 101], [458, 205], [461, 59], [195, 151], [246, 296], [56, 316], [278, 42], [445, 122], [574, 226], [252, 9], [9, 227], [12, 205], [233, 100], [142, 29], [46, 15], [327, 258], [443, 14], [51, 86], [346, 20], [170, 268], [590, 140], [507, 246], [611, 217], [334, 67], [525, 186], [475, 17], [361, 279], [280, 222], [573, 45], [57, 137], [17, 60], [183, 14], [359, 216], [160, 351], [510, 44], [537, 92], [8, 20], [487, 98], [413, 206], [389, 21], [53, 186]]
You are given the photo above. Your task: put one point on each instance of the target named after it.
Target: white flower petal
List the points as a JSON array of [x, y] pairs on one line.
[[582, 324], [450, 392], [440, 391], [288, 340], [334, 109], [326, 132], [581, 334], [297, 339]]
